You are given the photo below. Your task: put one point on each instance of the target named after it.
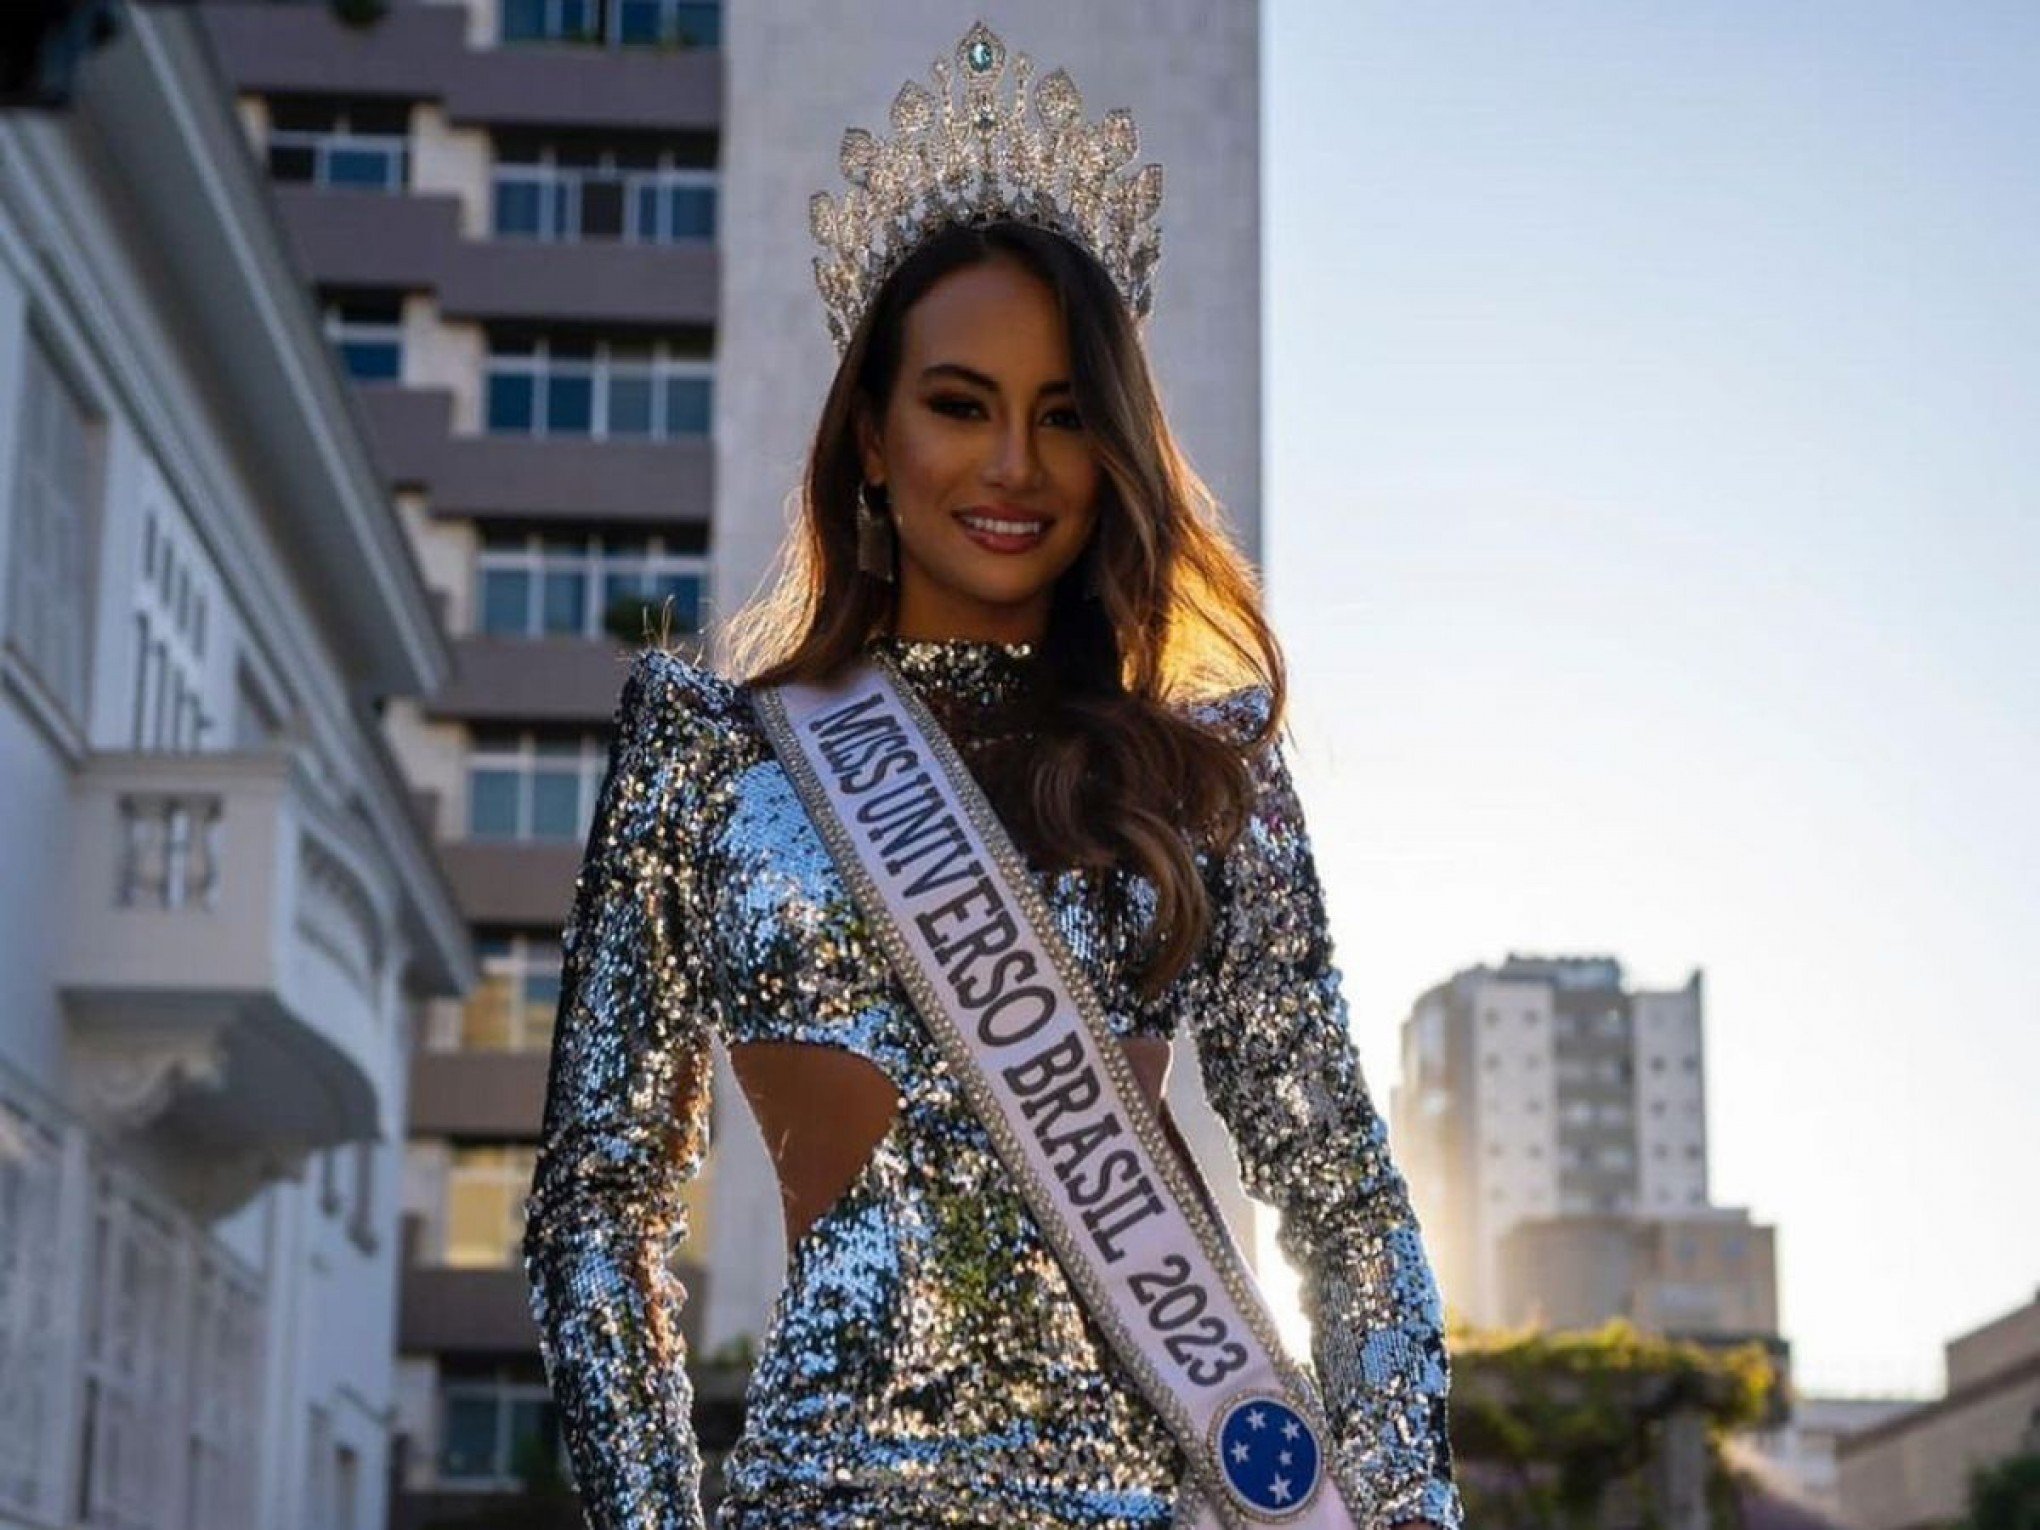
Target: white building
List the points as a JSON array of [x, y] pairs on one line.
[[220, 910], [1549, 1117]]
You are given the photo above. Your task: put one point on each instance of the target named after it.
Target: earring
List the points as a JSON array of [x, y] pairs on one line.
[[1094, 574], [874, 537]]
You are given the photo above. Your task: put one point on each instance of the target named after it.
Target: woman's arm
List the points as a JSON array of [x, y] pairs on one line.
[[625, 1127], [1280, 1068]]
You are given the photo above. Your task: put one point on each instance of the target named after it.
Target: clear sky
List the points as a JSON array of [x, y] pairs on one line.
[[1653, 519]]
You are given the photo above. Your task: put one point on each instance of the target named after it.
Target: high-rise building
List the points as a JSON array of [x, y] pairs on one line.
[[562, 246], [1554, 1125]]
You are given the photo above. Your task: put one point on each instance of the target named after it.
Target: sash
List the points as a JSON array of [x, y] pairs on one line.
[[948, 898]]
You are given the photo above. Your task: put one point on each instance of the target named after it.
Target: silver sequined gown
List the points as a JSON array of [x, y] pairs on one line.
[[926, 1362]]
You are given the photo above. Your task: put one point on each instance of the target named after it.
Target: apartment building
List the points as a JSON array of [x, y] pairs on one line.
[[223, 916], [1556, 1130], [561, 246]]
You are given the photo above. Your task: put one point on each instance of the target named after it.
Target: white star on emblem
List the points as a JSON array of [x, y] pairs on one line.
[[1291, 1429], [1257, 1418], [1285, 1458], [1279, 1489], [1239, 1451]]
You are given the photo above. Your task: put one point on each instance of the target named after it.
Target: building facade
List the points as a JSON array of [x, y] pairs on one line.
[[1555, 1125], [562, 248], [223, 916], [1914, 1469]]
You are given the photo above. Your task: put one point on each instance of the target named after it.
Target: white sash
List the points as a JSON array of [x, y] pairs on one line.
[[948, 897]]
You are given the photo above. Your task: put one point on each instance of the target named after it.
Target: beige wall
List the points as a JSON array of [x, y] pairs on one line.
[[451, 161], [1917, 1472]]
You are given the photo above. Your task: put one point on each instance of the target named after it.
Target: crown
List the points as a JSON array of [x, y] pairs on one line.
[[983, 158]]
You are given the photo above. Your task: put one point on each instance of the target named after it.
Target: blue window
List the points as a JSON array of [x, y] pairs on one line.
[[700, 25], [373, 360], [512, 402], [630, 406], [569, 404], [566, 601], [691, 210], [556, 804], [687, 404], [523, 20], [520, 208], [506, 601], [492, 804], [686, 592], [637, 21], [375, 168]]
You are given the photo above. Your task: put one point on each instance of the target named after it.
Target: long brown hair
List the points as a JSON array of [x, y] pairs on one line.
[[1115, 773]]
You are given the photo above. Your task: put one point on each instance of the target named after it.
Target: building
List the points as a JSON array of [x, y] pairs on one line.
[[222, 912], [1913, 1470], [1800, 1458], [562, 246], [1555, 1127]]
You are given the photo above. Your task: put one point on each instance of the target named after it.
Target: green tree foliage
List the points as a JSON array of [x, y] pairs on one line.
[[1552, 1423], [2006, 1496]]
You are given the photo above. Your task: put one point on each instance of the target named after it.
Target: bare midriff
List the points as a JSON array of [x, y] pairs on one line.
[[823, 1111]]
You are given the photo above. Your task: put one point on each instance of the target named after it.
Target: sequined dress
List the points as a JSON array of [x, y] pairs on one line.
[[927, 1362]]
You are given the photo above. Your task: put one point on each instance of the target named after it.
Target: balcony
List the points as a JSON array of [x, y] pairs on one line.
[[442, 1310], [422, 51], [548, 680], [358, 239], [230, 963], [477, 1094], [525, 884], [560, 479]]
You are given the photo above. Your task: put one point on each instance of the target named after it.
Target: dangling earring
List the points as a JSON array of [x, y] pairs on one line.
[[874, 537], [1094, 573]]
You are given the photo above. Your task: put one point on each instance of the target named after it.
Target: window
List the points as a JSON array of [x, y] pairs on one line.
[[485, 1422], [669, 22], [582, 388], [522, 787], [534, 585], [485, 1190], [56, 520], [513, 1007], [318, 1467], [541, 197], [361, 1224], [172, 595], [346, 1488], [361, 145], [619, 23], [368, 332]]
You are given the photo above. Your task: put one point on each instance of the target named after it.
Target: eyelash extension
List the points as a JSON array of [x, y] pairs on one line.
[[941, 405]]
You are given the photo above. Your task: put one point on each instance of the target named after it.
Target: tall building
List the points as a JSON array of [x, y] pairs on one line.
[[222, 914], [562, 246], [1555, 1128]]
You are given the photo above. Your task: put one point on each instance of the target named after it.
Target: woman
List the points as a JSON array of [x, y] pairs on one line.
[[995, 507]]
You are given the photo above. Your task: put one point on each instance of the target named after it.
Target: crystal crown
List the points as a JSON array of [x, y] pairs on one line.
[[974, 155]]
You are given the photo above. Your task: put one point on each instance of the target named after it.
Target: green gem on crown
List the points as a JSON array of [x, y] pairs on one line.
[[980, 55]]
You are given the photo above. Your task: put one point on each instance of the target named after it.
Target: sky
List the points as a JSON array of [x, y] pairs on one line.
[[1652, 520]]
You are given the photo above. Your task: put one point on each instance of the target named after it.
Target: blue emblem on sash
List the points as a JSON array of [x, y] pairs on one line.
[[1270, 1456]]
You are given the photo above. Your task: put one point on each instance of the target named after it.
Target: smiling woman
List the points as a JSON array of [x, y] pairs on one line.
[[999, 528], [982, 459]]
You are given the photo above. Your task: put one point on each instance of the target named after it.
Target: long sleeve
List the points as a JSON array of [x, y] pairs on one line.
[[625, 1127], [1277, 1061]]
